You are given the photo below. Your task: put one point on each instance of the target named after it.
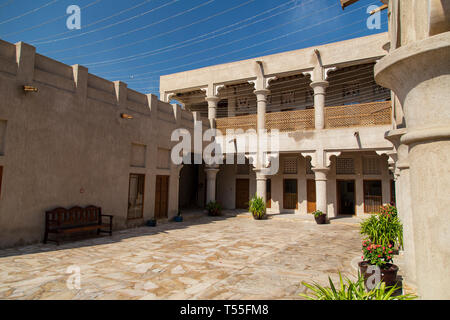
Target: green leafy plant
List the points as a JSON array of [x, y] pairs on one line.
[[353, 290], [318, 213], [377, 254], [384, 228], [214, 208], [257, 207]]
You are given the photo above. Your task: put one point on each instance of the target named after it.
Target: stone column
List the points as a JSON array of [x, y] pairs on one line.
[[261, 181], [211, 173], [212, 109], [404, 203], [261, 98], [419, 74], [319, 88], [321, 188]]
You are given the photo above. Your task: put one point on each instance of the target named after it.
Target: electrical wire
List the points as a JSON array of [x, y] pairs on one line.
[[49, 21], [29, 12]]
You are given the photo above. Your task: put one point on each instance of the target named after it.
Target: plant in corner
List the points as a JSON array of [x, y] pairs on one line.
[[353, 290], [257, 207], [214, 208], [178, 217], [377, 264], [384, 227], [320, 217]]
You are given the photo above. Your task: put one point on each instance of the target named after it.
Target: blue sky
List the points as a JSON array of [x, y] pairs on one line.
[[136, 41]]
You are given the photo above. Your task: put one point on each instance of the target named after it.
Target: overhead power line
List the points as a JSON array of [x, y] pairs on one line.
[[187, 42], [49, 21], [251, 46], [29, 12], [227, 43], [35, 41]]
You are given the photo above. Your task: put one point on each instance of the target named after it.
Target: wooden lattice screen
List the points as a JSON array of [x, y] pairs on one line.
[[358, 115]]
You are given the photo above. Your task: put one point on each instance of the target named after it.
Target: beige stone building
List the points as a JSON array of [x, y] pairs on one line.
[[331, 117], [346, 143], [80, 140]]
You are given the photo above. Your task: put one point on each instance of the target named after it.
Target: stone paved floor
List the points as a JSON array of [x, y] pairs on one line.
[[206, 258]]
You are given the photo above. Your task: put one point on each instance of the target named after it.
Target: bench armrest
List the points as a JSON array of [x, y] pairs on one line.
[[107, 215]]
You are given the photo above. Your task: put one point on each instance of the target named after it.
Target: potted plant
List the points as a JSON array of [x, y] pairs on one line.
[[384, 228], [320, 217], [178, 217], [379, 258], [257, 207], [214, 208]]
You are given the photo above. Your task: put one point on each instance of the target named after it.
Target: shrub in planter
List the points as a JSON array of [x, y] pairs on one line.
[[257, 207], [384, 227], [379, 258], [320, 217], [214, 208]]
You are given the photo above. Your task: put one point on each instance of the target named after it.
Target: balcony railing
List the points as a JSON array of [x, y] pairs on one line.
[[357, 115]]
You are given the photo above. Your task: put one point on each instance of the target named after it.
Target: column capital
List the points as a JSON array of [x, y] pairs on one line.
[[262, 92], [321, 173], [319, 84], [213, 99]]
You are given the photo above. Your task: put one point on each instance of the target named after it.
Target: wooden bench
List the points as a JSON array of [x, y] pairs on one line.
[[66, 221]]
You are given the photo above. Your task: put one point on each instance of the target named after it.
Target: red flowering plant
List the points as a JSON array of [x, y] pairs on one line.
[[377, 254], [389, 211]]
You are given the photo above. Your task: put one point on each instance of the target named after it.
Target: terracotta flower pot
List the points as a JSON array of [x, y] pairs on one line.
[[388, 273], [322, 219]]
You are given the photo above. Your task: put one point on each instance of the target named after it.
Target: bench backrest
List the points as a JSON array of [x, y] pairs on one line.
[[74, 216]]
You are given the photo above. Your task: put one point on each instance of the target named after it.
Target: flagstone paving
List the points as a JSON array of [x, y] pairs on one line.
[[231, 257]]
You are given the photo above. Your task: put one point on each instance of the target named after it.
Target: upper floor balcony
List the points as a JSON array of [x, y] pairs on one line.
[[357, 115]]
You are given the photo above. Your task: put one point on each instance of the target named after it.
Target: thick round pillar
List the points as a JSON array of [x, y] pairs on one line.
[[212, 110], [321, 188], [211, 173], [261, 182], [319, 88], [419, 74]]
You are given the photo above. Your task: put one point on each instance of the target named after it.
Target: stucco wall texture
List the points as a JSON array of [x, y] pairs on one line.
[[67, 144]]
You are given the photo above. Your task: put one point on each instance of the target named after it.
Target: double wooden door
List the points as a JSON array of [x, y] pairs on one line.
[[242, 193], [161, 197]]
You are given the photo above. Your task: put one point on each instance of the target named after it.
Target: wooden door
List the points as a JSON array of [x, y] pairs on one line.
[[161, 197], [311, 195], [1, 176], [290, 194], [242, 193], [269, 193], [136, 186]]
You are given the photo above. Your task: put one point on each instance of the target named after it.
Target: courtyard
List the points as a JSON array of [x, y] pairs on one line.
[[228, 257]]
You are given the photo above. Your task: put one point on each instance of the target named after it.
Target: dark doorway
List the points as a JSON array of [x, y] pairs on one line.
[[242, 193], [188, 193], [346, 197], [372, 196], [290, 194], [269, 193]]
